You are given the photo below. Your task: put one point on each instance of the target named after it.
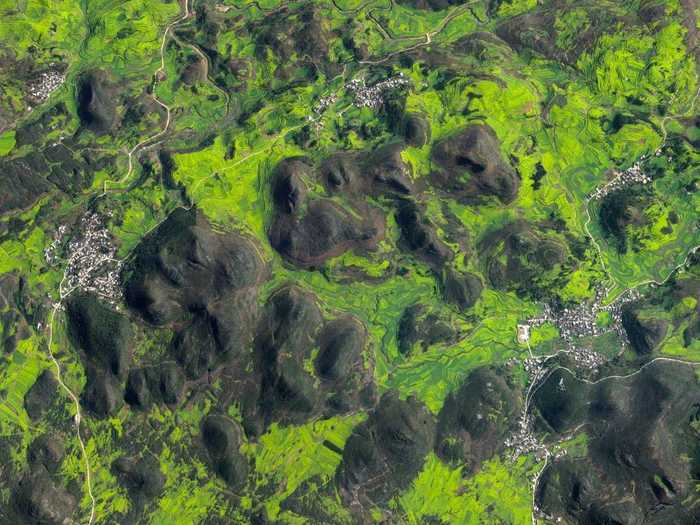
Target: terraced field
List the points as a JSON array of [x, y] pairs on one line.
[[349, 261]]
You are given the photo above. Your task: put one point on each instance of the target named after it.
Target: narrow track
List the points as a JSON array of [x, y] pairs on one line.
[[74, 398], [428, 37], [63, 294], [156, 78], [691, 251]]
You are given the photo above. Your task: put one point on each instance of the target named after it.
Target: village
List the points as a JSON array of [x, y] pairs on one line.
[[90, 257]]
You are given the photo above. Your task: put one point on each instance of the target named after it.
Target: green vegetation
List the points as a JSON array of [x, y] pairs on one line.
[[138, 111], [499, 493], [287, 457], [7, 142]]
